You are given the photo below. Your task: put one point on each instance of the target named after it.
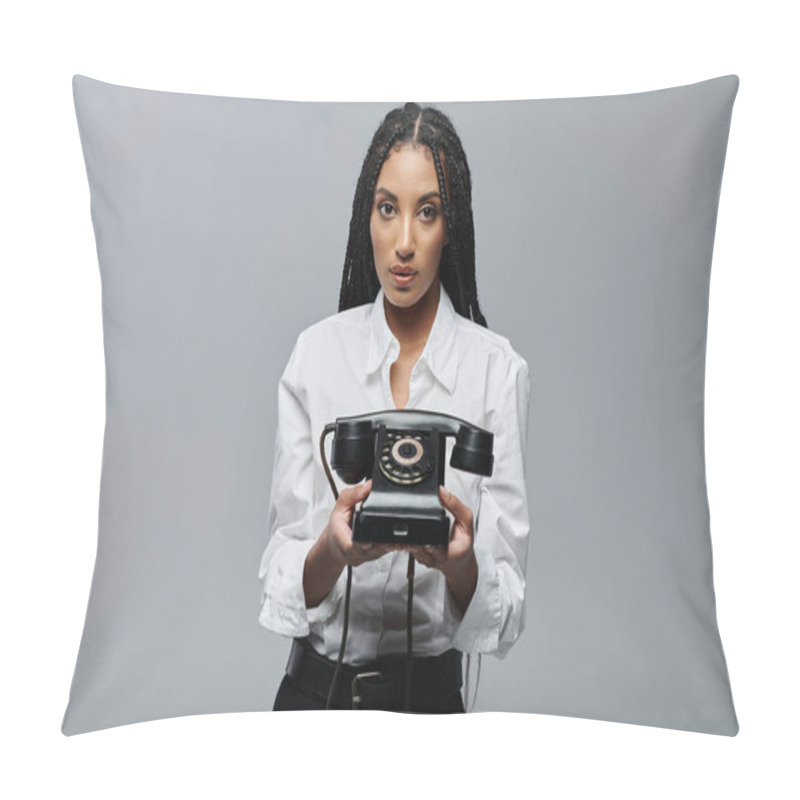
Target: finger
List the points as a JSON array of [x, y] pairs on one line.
[[437, 554], [371, 551], [363, 551], [461, 511], [421, 555]]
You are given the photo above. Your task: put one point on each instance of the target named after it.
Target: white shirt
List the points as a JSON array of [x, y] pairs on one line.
[[340, 367]]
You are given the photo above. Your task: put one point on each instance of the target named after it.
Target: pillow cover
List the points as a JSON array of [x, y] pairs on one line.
[[221, 226]]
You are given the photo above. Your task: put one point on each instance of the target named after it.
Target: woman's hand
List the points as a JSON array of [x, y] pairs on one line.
[[340, 534], [335, 548], [457, 561], [462, 535]]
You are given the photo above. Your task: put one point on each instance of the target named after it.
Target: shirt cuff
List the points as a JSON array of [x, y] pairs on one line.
[[327, 609], [478, 631], [283, 608]]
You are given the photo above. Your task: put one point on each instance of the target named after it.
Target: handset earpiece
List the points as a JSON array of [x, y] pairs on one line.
[[472, 451], [353, 450]]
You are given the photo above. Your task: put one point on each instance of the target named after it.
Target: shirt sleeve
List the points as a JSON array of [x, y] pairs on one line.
[[495, 616], [283, 606]]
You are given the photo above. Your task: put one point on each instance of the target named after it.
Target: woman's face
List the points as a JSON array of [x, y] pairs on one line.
[[407, 225]]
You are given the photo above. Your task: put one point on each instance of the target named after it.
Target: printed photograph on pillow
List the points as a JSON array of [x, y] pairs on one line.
[[404, 407]]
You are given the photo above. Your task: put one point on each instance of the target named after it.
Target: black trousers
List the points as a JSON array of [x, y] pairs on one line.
[[435, 686], [293, 698]]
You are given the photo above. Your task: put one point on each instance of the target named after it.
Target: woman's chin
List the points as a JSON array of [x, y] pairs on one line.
[[401, 298]]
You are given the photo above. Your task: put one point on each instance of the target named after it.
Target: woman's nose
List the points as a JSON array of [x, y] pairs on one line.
[[404, 247]]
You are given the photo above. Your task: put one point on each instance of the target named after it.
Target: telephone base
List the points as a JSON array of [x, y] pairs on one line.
[[391, 529]]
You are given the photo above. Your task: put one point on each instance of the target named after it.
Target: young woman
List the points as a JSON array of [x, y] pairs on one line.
[[409, 334]]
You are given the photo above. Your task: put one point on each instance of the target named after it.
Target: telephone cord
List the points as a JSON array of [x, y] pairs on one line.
[[345, 624]]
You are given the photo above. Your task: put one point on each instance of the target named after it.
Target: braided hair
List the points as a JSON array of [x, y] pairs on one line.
[[431, 128]]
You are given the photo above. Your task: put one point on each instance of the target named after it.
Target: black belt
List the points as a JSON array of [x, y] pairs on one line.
[[379, 684]]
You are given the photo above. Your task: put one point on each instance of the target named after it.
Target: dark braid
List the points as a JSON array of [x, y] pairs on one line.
[[430, 127]]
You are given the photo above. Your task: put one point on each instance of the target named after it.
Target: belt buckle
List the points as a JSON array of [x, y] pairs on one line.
[[354, 687]]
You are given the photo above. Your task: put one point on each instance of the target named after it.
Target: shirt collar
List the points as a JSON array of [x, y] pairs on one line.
[[441, 350]]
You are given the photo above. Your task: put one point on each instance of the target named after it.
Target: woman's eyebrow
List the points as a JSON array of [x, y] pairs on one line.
[[390, 195], [393, 197]]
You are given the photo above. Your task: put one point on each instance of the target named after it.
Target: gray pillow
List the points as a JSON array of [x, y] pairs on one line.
[[221, 227]]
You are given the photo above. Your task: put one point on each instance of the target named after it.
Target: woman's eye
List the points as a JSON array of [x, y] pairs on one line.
[[385, 209], [429, 212]]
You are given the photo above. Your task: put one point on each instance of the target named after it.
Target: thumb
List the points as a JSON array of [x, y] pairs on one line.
[[446, 498], [353, 494], [362, 490], [453, 504]]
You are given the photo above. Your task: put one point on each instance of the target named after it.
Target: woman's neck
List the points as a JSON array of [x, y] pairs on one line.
[[412, 325]]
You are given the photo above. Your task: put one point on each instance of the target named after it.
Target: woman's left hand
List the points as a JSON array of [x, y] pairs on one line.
[[459, 553]]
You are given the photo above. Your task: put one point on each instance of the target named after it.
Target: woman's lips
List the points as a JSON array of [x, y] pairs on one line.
[[402, 278]]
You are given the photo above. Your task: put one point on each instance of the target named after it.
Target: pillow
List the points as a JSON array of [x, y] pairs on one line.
[[221, 226]]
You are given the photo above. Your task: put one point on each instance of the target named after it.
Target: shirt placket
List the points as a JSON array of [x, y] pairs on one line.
[[416, 382], [391, 357]]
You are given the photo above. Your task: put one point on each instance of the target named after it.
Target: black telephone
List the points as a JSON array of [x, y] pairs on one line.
[[403, 451]]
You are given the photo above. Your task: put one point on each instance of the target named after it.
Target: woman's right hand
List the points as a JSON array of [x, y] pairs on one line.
[[339, 531]]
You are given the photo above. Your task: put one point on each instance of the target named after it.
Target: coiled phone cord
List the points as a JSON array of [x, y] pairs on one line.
[[409, 575]]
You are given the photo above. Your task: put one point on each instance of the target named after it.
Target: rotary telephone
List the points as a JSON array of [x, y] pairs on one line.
[[403, 451]]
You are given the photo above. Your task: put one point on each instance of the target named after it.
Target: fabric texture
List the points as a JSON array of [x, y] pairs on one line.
[[340, 367], [221, 226]]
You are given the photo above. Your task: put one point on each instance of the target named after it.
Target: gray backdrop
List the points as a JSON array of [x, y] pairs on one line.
[[221, 227]]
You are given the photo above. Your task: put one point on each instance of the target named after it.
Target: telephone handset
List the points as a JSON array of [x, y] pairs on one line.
[[403, 451]]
